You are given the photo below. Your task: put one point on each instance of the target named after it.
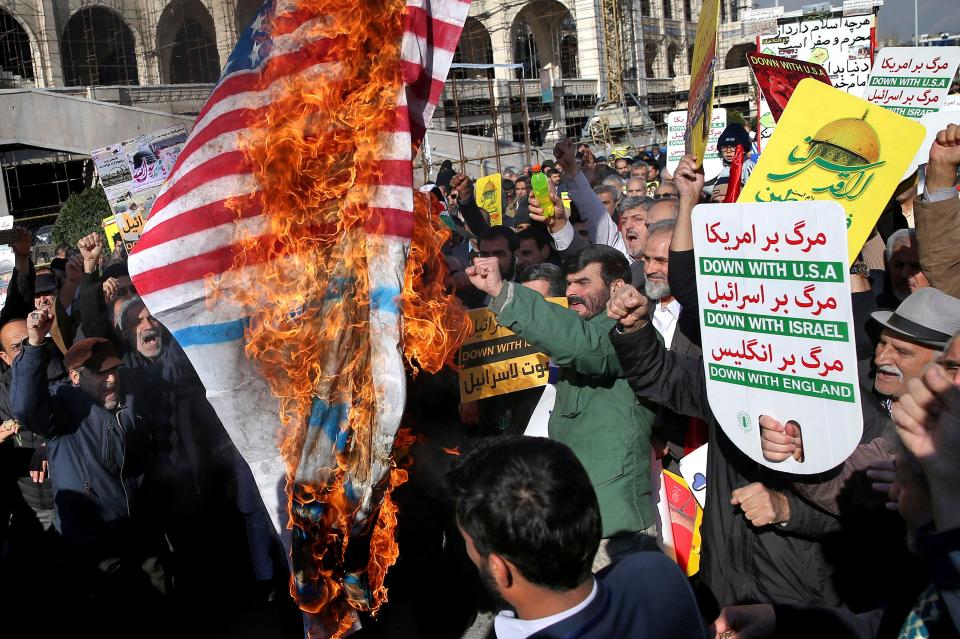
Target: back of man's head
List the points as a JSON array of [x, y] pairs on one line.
[[495, 233], [530, 501], [551, 274]]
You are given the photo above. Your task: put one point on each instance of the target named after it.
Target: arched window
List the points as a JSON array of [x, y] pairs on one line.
[[244, 13], [687, 11], [15, 54], [645, 7], [737, 56], [187, 44], [474, 48], [672, 51], [650, 59], [98, 49], [668, 9], [568, 48], [525, 52]]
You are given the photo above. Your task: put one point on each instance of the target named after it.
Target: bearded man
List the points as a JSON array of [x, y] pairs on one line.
[[595, 413]]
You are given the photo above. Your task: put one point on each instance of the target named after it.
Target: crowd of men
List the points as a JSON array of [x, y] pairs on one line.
[[122, 492], [869, 549]]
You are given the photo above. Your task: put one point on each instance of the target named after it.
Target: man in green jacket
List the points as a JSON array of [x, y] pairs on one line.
[[596, 413]]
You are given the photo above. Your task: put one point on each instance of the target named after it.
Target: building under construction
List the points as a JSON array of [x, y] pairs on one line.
[[532, 71]]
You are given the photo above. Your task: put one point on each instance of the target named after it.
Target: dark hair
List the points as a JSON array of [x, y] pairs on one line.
[[497, 232], [522, 178], [546, 272], [538, 233], [530, 501], [613, 264]]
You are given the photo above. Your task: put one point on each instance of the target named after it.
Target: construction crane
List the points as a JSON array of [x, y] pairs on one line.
[[613, 50]]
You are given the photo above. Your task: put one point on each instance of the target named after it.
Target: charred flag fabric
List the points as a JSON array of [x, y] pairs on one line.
[[276, 253]]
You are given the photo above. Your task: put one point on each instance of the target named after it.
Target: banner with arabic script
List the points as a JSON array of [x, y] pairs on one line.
[[496, 361], [778, 77], [777, 326], [841, 45], [132, 172], [832, 146], [912, 81]]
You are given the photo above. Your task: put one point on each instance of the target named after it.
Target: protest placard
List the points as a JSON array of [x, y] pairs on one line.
[[686, 515], [703, 68], [841, 45], [132, 172], [676, 147], [912, 81], [777, 326], [489, 193], [496, 361], [830, 145], [110, 229], [778, 77]]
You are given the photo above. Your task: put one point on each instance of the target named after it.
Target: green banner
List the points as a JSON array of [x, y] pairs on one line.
[[820, 388], [773, 269], [811, 328]]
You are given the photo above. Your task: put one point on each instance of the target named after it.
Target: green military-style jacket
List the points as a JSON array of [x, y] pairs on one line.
[[596, 413]]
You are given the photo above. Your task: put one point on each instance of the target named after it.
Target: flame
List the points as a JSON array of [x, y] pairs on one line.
[[451, 451], [304, 279]]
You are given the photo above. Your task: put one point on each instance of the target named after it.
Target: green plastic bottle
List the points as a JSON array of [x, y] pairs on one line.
[[541, 189]]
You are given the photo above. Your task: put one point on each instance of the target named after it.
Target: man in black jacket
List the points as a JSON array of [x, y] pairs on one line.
[[98, 447], [761, 541], [531, 523]]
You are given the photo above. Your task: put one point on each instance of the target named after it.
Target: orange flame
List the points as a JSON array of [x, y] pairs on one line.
[[451, 451], [305, 280]]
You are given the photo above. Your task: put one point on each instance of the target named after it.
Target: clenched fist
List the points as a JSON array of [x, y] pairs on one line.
[[629, 307]]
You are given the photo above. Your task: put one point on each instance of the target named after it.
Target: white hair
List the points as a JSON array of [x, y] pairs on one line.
[[898, 238]]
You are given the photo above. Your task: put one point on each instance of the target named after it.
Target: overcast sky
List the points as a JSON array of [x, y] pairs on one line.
[[896, 16]]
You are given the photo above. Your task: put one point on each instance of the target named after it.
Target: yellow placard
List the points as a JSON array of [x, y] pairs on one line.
[[131, 225], [489, 196], [702, 74], [497, 361], [110, 228], [829, 145], [505, 376]]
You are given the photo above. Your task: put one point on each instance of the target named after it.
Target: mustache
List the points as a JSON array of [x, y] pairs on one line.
[[575, 299], [891, 369]]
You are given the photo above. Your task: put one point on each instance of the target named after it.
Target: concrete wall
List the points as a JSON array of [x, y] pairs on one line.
[[33, 117]]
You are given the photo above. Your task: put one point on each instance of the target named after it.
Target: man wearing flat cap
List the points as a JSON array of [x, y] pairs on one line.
[[912, 337], [97, 451]]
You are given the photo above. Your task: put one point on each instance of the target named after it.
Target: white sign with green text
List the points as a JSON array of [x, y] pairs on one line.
[[777, 326]]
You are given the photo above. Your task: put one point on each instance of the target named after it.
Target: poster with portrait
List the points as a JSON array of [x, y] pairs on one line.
[[489, 193], [132, 172]]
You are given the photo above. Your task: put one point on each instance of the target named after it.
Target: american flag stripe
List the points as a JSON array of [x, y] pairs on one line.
[[191, 233], [274, 69]]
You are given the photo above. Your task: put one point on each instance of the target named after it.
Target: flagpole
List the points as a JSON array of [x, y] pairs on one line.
[[456, 112]]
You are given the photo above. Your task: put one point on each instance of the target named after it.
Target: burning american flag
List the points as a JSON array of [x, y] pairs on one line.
[[288, 255]]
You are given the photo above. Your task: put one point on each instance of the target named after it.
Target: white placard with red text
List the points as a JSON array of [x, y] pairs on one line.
[[912, 81], [777, 326], [677, 125]]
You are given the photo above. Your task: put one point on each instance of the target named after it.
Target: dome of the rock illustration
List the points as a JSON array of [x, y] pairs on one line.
[[848, 142]]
